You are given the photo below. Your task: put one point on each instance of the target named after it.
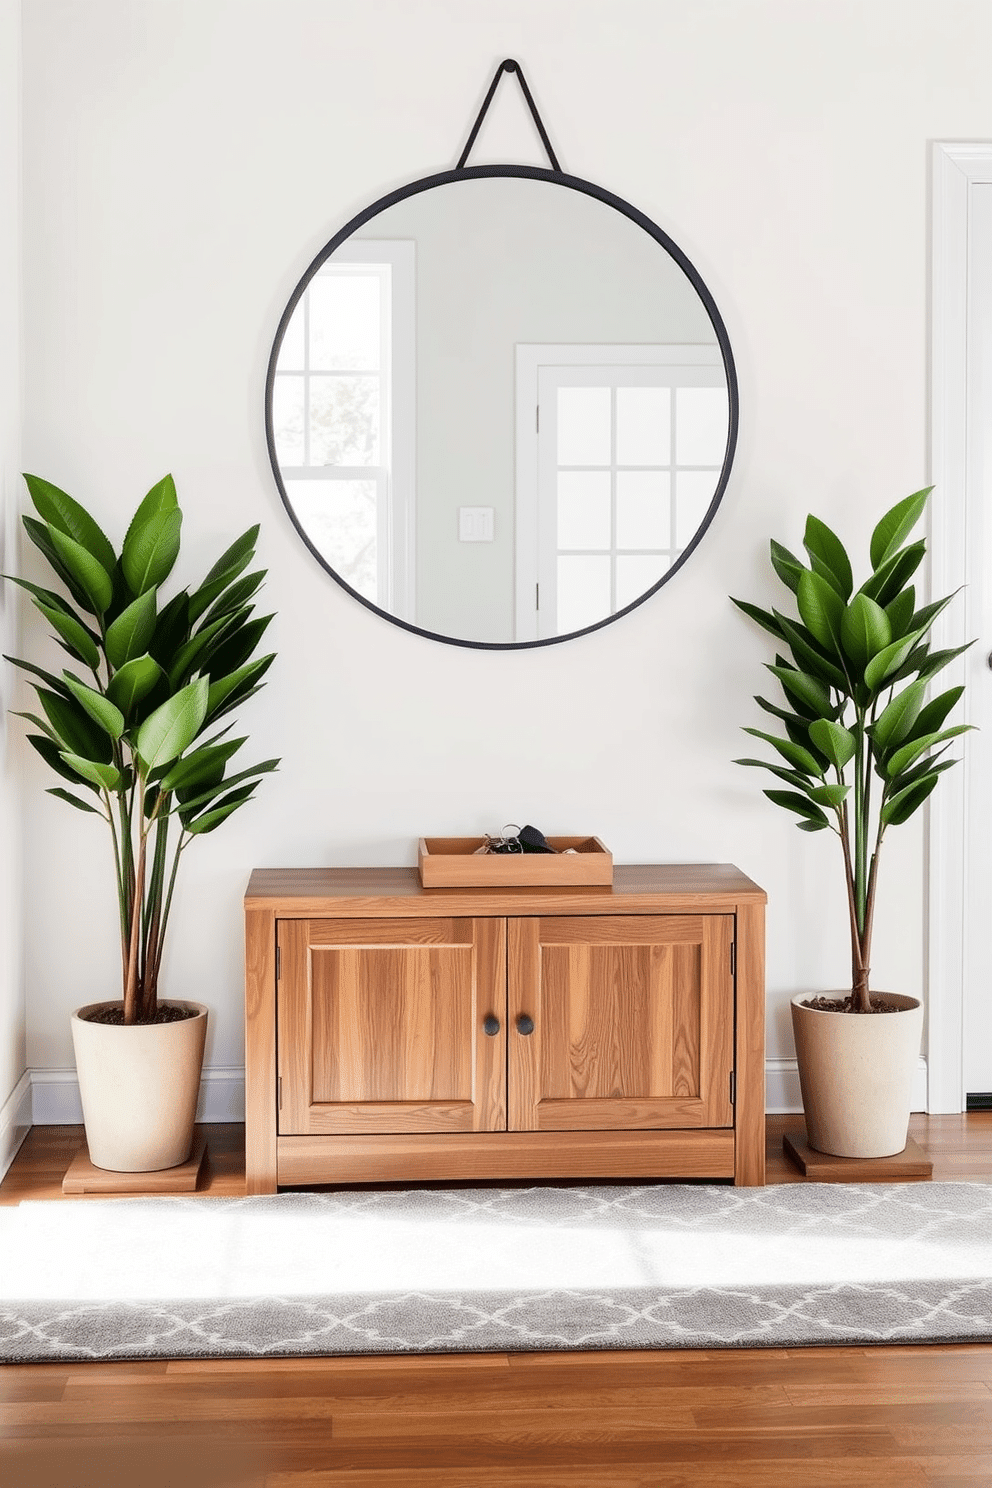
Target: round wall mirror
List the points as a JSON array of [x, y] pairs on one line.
[[501, 407]]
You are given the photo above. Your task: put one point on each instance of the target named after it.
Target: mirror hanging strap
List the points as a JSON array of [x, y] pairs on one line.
[[509, 64]]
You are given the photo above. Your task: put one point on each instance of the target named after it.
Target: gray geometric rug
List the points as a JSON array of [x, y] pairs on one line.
[[478, 1270]]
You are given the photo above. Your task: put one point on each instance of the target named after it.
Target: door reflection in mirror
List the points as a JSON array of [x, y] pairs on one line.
[[630, 442]]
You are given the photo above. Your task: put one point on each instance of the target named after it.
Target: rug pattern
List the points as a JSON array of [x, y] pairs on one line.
[[894, 1264]]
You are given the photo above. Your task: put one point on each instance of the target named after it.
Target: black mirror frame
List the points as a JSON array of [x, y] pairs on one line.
[[573, 183]]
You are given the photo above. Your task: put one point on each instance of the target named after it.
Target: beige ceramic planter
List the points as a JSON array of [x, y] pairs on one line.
[[856, 1073], [139, 1087]]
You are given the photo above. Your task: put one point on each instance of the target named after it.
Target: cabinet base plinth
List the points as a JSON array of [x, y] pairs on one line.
[[485, 1156]]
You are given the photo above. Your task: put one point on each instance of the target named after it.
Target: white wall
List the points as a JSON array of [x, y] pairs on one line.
[[13, 1112], [183, 161]]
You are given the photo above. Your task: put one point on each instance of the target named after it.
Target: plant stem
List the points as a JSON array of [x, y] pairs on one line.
[[860, 833], [132, 1004], [153, 918], [856, 957], [183, 840]]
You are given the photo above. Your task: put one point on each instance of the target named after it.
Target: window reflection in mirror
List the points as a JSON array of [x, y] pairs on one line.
[[500, 410]]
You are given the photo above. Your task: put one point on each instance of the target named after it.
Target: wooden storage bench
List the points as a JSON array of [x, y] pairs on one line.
[[397, 1033]]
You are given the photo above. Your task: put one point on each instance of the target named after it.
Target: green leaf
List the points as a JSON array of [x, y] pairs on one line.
[[172, 629], [938, 660], [900, 807], [829, 795], [910, 751], [55, 683], [108, 777], [881, 670], [192, 801], [205, 763], [786, 565], [230, 563], [894, 574], [89, 574], [227, 692], [864, 630], [809, 657], [67, 516], [46, 596], [799, 734], [780, 712], [135, 680], [151, 549], [236, 595], [894, 723], [929, 766], [237, 648], [41, 537], [801, 805], [73, 726], [896, 525], [834, 740], [933, 715], [78, 638], [828, 556], [791, 777], [161, 498], [131, 633], [900, 613], [167, 732], [807, 690], [799, 758], [51, 753], [212, 819], [100, 708], [193, 655], [821, 609], [911, 666], [763, 618], [64, 795], [923, 619]]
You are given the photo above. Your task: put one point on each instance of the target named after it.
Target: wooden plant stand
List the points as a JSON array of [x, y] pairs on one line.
[[83, 1178], [822, 1167]]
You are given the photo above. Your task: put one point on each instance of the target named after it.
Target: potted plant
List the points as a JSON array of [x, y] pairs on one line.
[[135, 732], [859, 749]]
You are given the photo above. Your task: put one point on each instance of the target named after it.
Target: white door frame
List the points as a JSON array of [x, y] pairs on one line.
[[957, 169]]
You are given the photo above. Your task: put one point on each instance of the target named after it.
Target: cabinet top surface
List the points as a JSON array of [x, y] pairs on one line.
[[329, 891]]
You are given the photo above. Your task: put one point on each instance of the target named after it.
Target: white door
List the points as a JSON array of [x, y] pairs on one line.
[[977, 1041], [959, 1039]]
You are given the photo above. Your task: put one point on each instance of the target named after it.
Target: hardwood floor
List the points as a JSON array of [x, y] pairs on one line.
[[909, 1417]]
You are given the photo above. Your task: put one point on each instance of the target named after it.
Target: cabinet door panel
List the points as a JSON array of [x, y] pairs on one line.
[[633, 1022], [381, 1025]]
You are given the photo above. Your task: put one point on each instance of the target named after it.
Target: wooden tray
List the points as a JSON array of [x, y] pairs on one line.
[[452, 863]]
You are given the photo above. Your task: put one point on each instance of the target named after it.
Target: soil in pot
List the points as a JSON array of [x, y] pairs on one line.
[[168, 1012], [846, 1005]]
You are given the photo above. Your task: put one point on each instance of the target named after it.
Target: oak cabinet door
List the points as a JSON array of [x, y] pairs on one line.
[[381, 1025], [633, 1019]]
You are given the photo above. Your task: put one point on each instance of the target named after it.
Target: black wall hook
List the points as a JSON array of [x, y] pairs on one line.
[[509, 64]]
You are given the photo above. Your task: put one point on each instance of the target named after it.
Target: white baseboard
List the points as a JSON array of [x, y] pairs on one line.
[[15, 1121], [55, 1096]]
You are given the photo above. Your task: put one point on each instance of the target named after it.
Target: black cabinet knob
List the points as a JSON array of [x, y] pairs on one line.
[[491, 1025], [525, 1024]]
